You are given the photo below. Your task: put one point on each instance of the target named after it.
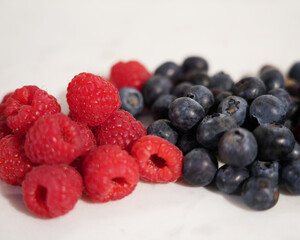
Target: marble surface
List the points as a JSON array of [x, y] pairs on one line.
[[47, 42]]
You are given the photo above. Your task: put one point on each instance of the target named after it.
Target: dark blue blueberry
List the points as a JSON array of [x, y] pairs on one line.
[[198, 78], [265, 169], [155, 87], [221, 81], [272, 79], [235, 107], [219, 95], [294, 155], [163, 128], [202, 95], [187, 142], [292, 87], [284, 97], [212, 128], [259, 193], [294, 72], [194, 63], [132, 100], [160, 108], [237, 147], [274, 141], [180, 89], [170, 70], [249, 88], [268, 109], [265, 68], [185, 113], [199, 167], [230, 179], [290, 176]]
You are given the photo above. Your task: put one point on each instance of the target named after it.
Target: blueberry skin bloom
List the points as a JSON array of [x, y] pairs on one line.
[[132, 100], [230, 179], [194, 63], [266, 169], [170, 70], [268, 109], [212, 128], [187, 142], [249, 88], [221, 81], [290, 176], [235, 107], [293, 155], [185, 113], [155, 87], [294, 72], [199, 167], [238, 147], [259, 193], [274, 141], [180, 89], [162, 128], [284, 97], [202, 95], [160, 108], [198, 77], [272, 79]]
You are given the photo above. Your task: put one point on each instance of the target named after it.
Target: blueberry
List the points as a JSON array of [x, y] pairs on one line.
[[160, 108], [194, 63], [265, 68], [163, 128], [294, 72], [268, 109], [284, 97], [259, 193], [199, 167], [155, 87], [212, 128], [293, 155], [198, 78], [132, 100], [292, 87], [219, 95], [180, 89], [265, 169], [187, 142], [202, 95], [290, 176], [185, 113], [221, 81], [272, 79], [170, 70], [237, 147], [235, 107], [274, 141], [230, 179], [249, 88]]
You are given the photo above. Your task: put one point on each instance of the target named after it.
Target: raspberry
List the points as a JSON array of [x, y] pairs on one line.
[[13, 162], [3, 102], [122, 129], [92, 99], [4, 129], [87, 138], [129, 74], [26, 105], [53, 139], [52, 190], [158, 159], [110, 173]]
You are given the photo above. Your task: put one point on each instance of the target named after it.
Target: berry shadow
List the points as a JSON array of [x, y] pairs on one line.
[[62, 100]]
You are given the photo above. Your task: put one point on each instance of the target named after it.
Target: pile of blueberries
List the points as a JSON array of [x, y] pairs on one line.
[[250, 127]]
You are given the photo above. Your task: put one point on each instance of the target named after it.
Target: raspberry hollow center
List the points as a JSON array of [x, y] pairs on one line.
[[41, 196], [158, 161], [119, 181]]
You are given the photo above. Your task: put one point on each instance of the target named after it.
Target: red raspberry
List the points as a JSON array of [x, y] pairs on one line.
[[92, 99], [122, 129], [26, 105], [129, 74], [4, 129], [158, 159], [13, 162], [110, 173], [53, 139], [88, 139], [3, 102], [52, 190]]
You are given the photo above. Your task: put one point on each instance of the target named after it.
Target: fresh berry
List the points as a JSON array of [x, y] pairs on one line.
[[53, 139], [26, 105], [185, 113], [198, 77], [194, 63], [221, 81], [163, 128], [92, 99], [265, 169], [170, 70], [129, 74], [219, 96], [266, 67], [13, 162], [199, 167], [181, 88], [160, 108], [259, 193], [110, 173], [122, 129], [272, 79], [187, 142], [294, 72], [293, 155], [52, 190], [3, 102], [88, 139], [285, 98], [290, 176], [4, 129], [132, 100], [159, 161]]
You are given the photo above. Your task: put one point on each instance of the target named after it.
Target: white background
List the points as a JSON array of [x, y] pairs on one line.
[[47, 42]]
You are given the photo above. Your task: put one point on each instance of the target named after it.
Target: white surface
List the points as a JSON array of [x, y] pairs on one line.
[[47, 42]]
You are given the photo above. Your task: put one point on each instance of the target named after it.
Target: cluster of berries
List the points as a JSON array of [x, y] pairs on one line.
[[101, 150]]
